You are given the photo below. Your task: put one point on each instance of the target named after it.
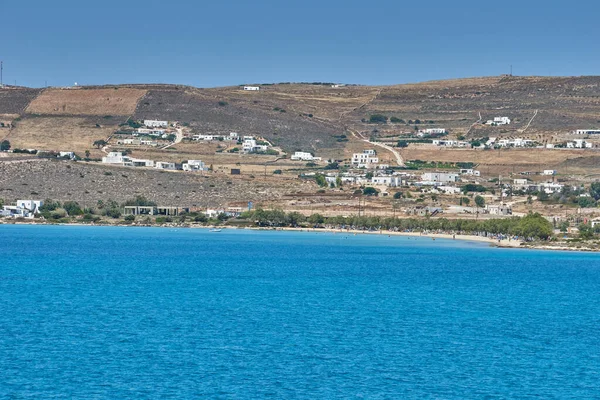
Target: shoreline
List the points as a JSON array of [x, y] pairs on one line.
[[504, 243]]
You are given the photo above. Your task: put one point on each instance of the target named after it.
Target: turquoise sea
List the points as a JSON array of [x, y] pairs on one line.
[[115, 313]]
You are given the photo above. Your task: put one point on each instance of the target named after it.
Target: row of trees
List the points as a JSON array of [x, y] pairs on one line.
[[531, 226]]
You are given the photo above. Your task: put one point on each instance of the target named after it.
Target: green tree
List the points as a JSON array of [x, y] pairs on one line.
[[338, 181], [320, 179], [480, 201], [100, 143], [398, 195], [4, 145], [316, 219], [87, 154], [378, 119], [586, 231], [370, 191], [72, 208], [595, 190], [402, 143], [369, 175], [464, 201]]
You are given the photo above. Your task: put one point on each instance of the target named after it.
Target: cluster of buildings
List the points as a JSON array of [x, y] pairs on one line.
[[22, 209], [574, 144], [526, 186], [117, 158]]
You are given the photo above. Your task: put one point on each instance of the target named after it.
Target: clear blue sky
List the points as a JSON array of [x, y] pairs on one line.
[[219, 43]]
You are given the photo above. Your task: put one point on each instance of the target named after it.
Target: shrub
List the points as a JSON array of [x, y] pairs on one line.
[[378, 119]]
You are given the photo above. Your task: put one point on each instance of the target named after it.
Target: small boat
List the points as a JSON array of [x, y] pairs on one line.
[[214, 230]]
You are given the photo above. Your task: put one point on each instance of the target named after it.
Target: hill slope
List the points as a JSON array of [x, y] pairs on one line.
[[305, 116]]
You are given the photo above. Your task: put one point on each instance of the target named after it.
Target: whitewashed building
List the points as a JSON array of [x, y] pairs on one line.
[[389, 180], [22, 209], [587, 132], [116, 158], [165, 165], [434, 131], [304, 156], [194, 165], [499, 121], [366, 159], [152, 123], [252, 88], [441, 177]]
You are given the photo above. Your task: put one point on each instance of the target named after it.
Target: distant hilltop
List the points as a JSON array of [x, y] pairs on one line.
[[307, 116]]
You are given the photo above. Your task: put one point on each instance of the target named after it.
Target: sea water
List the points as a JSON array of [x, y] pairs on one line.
[[102, 312]]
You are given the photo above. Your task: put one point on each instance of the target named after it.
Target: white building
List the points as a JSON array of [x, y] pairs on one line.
[[450, 143], [517, 142], [389, 180], [165, 165], [448, 189], [252, 88], [499, 121], [498, 209], [441, 177], [130, 141], [366, 159], [579, 144], [587, 132], [194, 165], [434, 131], [304, 156], [136, 162], [546, 172], [250, 146], [22, 208], [470, 171], [68, 154], [152, 123], [117, 158], [551, 187]]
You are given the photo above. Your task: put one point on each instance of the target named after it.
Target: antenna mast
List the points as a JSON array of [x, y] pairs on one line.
[[1, 70]]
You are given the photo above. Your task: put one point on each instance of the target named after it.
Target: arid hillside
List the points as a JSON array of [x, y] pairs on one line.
[[309, 117]]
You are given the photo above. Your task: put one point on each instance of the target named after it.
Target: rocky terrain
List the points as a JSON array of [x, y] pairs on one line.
[[87, 183]]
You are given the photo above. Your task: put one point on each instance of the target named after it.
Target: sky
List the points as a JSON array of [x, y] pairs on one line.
[[222, 43]]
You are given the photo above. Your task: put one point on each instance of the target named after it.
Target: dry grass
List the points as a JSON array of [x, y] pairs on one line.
[[57, 133], [122, 101]]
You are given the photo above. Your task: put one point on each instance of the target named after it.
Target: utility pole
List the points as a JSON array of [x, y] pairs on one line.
[[1, 72]]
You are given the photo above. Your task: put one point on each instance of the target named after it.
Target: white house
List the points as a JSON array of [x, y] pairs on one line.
[[587, 132], [22, 208], [449, 189], [252, 88], [498, 209], [194, 165], [152, 123], [499, 121], [68, 154], [434, 131], [579, 144], [250, 146], [366, 159], [116, 158], [470, 171], [546, 172], [441, 177], [389, 180], [304, 156], [165, 165], [551, 187], [136, 162]]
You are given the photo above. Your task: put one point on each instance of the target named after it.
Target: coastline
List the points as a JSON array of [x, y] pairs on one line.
[[504, 243]]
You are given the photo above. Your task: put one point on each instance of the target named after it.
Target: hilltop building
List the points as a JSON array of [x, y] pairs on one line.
[[366, 159], [499, 121], [304, 156]]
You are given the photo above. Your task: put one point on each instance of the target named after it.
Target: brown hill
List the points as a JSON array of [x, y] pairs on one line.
[[307, 116]]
